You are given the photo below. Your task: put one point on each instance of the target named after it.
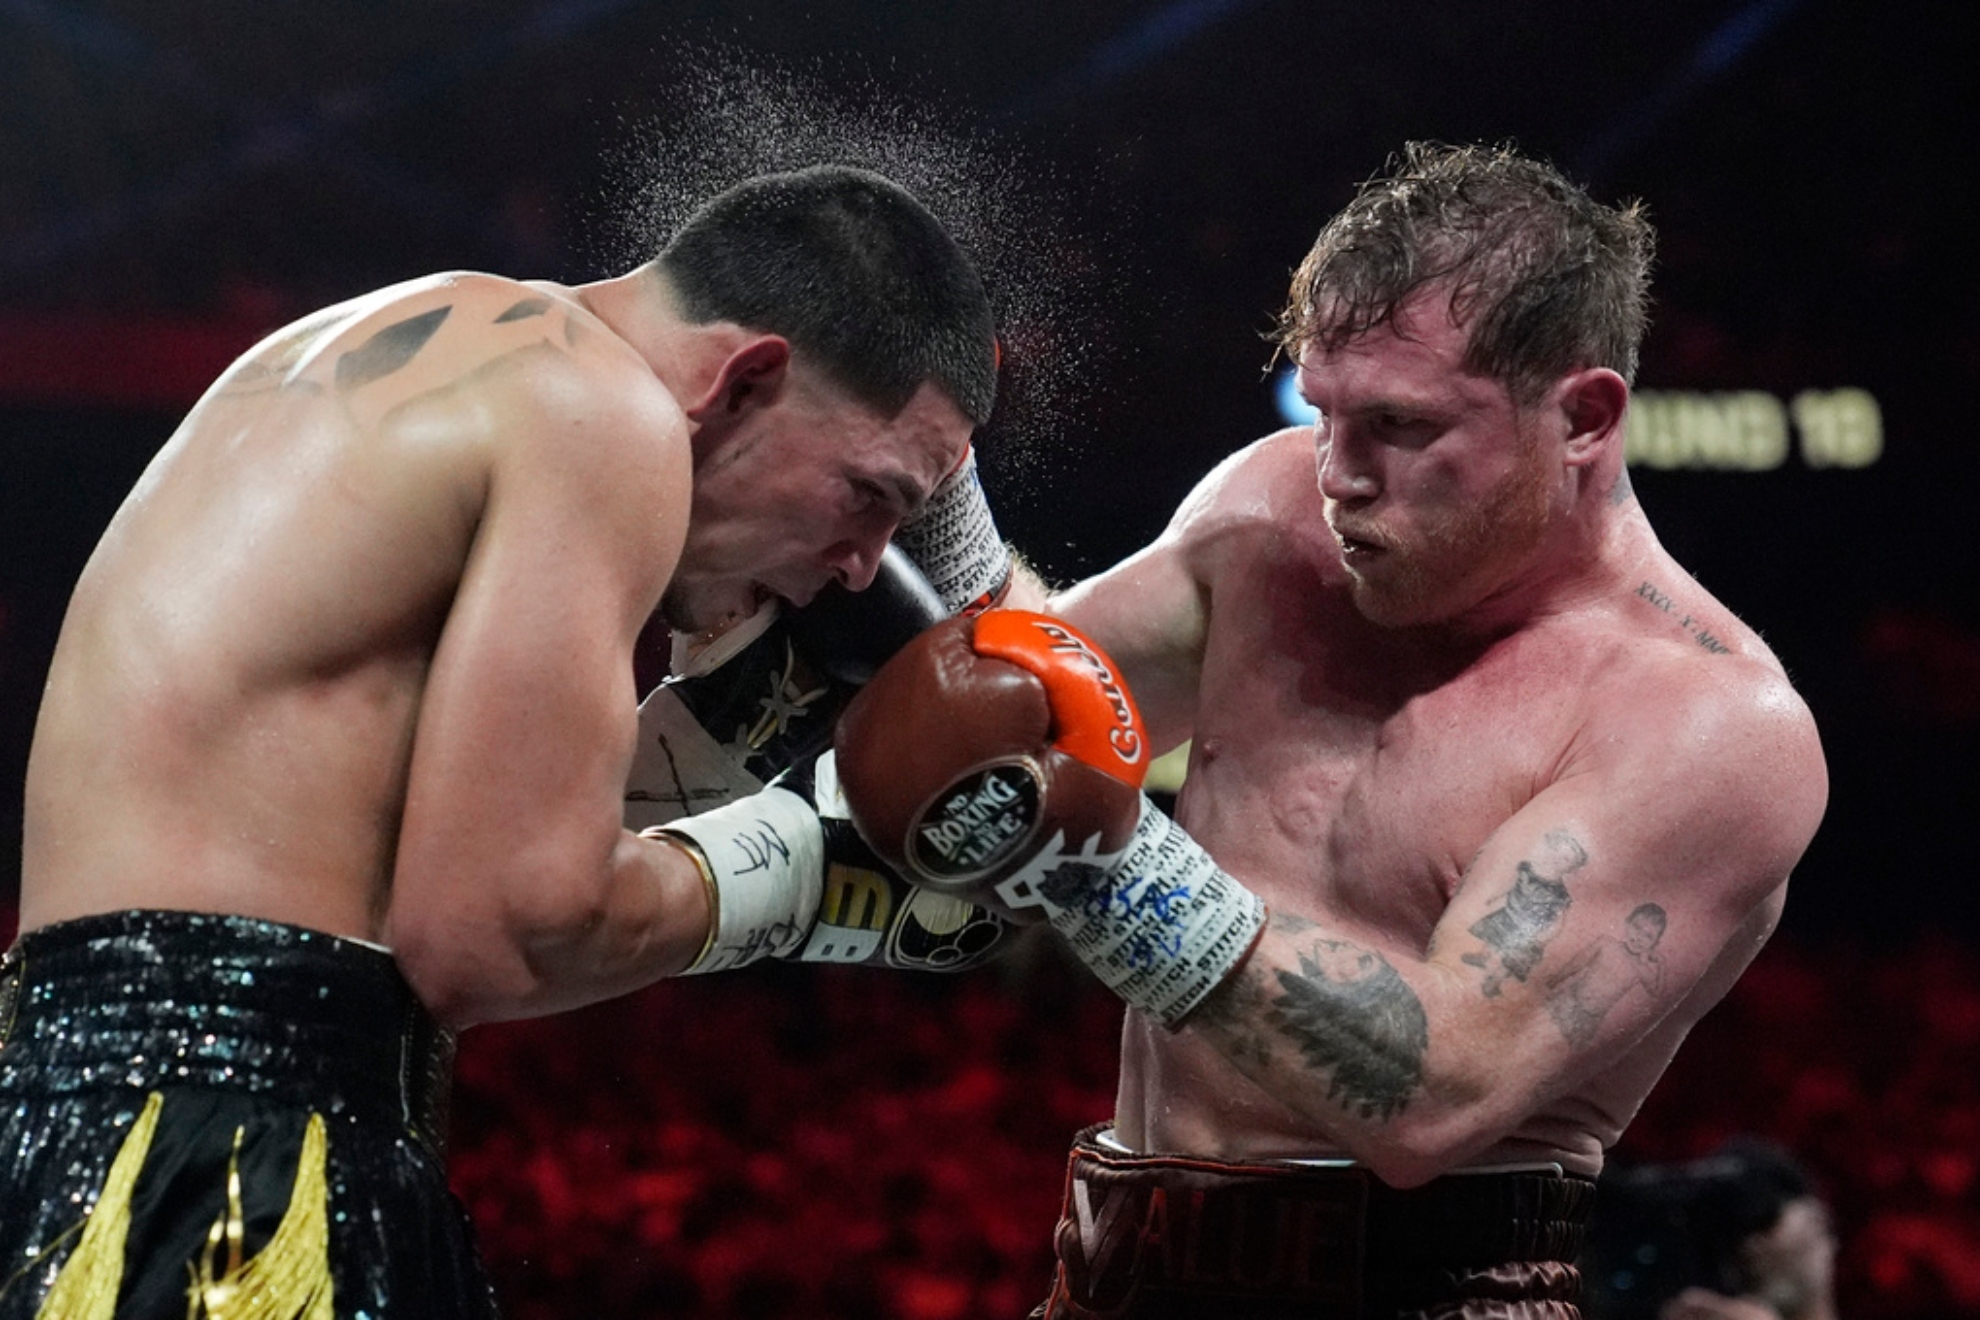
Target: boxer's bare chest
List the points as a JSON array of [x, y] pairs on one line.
[[1361, 766]]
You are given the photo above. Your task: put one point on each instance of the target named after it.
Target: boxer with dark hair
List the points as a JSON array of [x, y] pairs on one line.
[[1459, 725], [333, 752]]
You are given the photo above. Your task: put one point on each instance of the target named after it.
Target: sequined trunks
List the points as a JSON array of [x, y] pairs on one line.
[[210, 1047], [1157, 1237]]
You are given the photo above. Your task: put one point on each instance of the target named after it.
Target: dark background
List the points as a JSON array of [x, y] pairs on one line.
[[1138, 177], [176, 178]]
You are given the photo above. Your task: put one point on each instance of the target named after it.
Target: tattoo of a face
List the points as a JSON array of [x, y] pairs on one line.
[[1516, 932], [1351, 1014], [388, 350], [1580, 994]]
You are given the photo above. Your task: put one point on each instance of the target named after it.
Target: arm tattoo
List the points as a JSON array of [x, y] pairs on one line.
[[1580, 995], [1351, 1013], [1238, 1013], [1516, 932], [388, 350]]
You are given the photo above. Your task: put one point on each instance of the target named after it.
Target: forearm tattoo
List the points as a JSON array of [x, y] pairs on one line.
[[1354, 1017], [1595, 980], [1238, 1013], [1516, 932]]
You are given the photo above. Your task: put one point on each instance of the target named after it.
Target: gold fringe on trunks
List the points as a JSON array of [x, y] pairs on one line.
[[289, 1278], [86, 1289]]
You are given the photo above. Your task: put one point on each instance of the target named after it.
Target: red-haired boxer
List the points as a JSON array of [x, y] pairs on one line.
[[1520, 797], [334, 743]]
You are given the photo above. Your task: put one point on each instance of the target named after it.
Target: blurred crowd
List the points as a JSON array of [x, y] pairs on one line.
[[830, 1142]]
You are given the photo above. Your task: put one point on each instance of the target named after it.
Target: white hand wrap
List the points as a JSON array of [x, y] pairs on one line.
[[1159, 923], [763, 858], [954, 542]]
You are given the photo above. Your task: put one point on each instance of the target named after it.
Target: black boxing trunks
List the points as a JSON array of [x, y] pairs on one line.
[[1163, 1237], [204, 1116]]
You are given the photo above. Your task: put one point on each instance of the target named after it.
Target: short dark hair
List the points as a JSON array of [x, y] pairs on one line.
[[1547, 279], [852, 270]]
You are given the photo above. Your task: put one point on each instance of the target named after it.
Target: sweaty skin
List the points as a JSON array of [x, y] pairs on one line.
[[339, 580], [1462, 760], [355, 654]]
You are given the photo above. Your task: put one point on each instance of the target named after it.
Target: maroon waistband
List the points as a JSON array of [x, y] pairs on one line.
[[1336, 1238]]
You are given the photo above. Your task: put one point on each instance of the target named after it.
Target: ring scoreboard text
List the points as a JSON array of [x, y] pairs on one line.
[[1753, 431]]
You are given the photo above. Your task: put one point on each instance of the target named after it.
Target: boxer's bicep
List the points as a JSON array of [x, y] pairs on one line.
[[1627, 893], [1150, 613], [511, 835], [1654, 866]]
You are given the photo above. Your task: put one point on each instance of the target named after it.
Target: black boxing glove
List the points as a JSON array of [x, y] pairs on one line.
[[999, 759], [763, 696], [868, 912], [787, 874]]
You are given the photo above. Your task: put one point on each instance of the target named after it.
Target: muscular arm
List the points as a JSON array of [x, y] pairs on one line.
[[1151, 612], [516, 889], [1630, 891]]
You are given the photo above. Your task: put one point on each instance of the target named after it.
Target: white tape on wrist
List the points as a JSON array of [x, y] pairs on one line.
[[1163, 926], [766, 865], [954, 541]]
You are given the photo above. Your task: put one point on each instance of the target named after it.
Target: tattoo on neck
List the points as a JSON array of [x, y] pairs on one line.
[[1695, 627]]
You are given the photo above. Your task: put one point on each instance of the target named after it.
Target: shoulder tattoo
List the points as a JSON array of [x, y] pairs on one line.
[[388, 349]]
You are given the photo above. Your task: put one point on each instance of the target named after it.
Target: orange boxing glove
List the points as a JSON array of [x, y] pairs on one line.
[[999, 759], [984, 739]]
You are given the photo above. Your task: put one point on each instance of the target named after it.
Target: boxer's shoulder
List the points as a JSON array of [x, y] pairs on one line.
[[1261, 482], [457, 331], [1252, 504], [499, 365], [1668, 676]]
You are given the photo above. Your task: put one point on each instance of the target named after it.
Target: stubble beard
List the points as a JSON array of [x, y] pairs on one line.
[[1451, 562]]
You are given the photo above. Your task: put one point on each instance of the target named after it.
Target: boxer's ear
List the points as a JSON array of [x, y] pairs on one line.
[[1593, 402], [750, 377]]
